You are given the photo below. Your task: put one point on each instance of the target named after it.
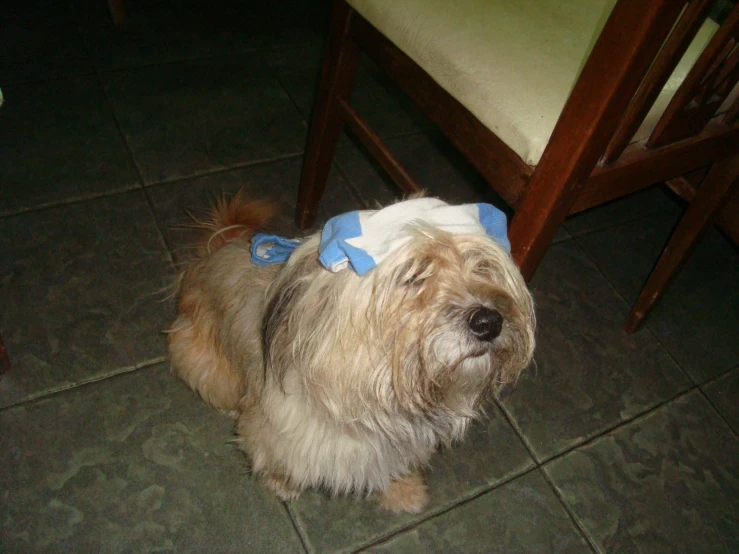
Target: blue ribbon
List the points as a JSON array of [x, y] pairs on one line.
[[271, 249]]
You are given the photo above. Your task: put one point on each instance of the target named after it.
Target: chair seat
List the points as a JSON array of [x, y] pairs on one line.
[[511, 63]]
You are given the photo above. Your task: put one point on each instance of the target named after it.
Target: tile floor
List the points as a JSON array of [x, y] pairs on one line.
[[610, 443]]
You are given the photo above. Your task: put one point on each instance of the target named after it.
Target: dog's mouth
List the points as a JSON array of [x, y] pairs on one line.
[[479, 353], [481, 350], [474, 349]]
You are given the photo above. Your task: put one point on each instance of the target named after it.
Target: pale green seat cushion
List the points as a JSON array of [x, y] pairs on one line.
[[512, 63]]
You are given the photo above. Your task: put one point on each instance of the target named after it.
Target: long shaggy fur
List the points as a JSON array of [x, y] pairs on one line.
[[344, 382]]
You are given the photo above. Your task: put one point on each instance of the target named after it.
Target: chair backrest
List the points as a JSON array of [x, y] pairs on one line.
[[635, 54], [703, 91], [640, 45]]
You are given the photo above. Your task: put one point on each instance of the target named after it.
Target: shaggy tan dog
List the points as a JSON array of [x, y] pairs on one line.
[[344, 382]]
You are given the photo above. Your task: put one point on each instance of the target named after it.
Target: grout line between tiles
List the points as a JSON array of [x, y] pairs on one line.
[[179, 61], [8, 85], [139, 173], [640, 415], [306, 121], [125, 370], [405, 134], [196, 174], [69, 201], [348, 183], [359, 148], [121, 134], [446, 509], [304, 117], [247, 50], [710, 402], [573, 518], [620, 222], [95, 70], [605, 432], [624, 423], [628, 306], [539, 466], [646, 326], [512, 422], [295, 525], [217, 170], [613, 225], [139, 186], [162, 236]]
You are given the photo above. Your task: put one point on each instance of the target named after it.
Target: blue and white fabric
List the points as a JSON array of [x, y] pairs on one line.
[[271, 249], [360, 240]]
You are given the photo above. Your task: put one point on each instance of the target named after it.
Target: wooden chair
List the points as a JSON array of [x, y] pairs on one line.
[[625, 125]]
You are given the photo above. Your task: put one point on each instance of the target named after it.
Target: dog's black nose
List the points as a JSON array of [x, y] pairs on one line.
[[485, 323]]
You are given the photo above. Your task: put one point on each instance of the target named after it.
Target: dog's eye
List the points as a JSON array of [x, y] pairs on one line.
[[415, 279], [483, 268], [415, 273]]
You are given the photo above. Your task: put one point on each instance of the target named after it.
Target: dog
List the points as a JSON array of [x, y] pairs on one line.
[[342, 381]]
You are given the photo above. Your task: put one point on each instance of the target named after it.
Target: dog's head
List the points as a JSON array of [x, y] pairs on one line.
[[436, 324]]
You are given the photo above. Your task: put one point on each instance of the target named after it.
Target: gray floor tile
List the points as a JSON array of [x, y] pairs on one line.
[[190, 118], [275, 180], [81, 293], [40, 42], [175, 203], [724, 393], [287, 23], [629, 208], [297, 70], [131, 464], [59, 141], [589, 375], [522, 516], [388, 111], [491, 453], [160, 32], [666, 483], [697, 318]]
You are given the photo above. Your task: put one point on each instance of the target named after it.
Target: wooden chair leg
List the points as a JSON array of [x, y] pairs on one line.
[[4, 360], [338, 72], [710, 198], [541, 213]]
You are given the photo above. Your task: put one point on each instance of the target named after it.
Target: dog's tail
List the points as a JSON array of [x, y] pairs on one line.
[[231, 219]]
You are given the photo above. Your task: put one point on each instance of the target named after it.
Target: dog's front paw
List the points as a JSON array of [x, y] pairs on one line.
[[408, 494], [281, 487]]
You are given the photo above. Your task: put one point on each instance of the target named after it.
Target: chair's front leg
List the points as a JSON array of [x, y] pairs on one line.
[[546, 203], [338, 72]]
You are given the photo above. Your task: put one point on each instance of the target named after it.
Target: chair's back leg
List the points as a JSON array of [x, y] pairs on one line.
[[711, 196], [338, 72]]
